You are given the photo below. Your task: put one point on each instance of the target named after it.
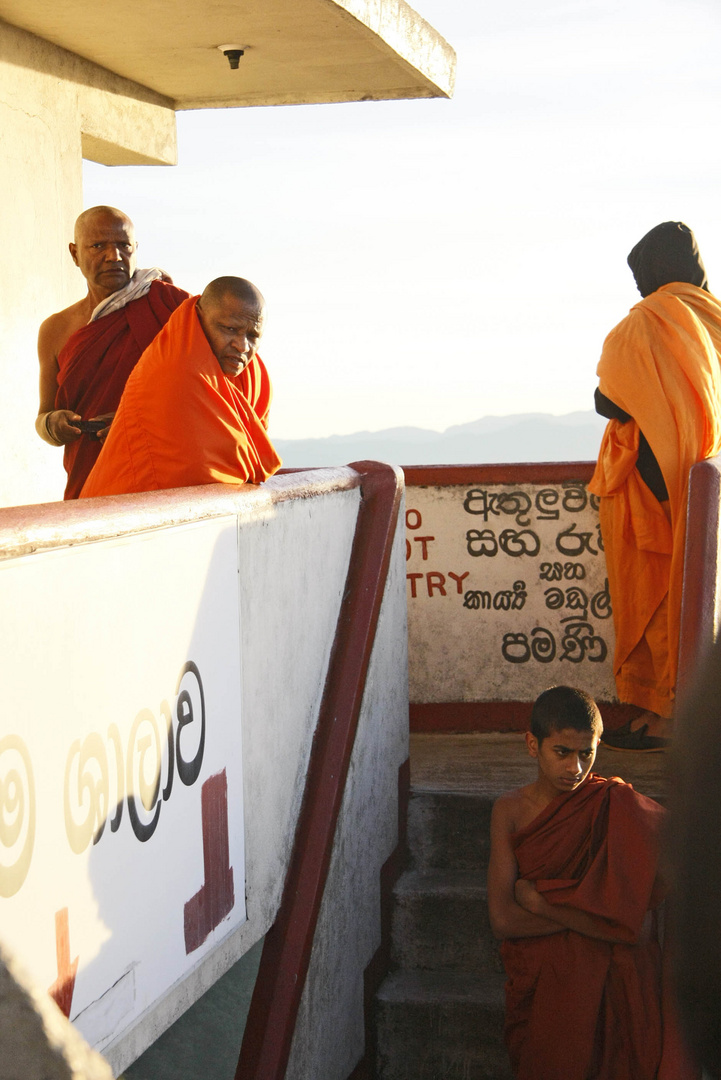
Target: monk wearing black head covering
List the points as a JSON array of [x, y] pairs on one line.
[[660, 387], [665, 254]]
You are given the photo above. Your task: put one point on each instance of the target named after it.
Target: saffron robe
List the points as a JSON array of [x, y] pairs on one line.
[[183, 422], [94, 365], [576, 1007], [660, 365]]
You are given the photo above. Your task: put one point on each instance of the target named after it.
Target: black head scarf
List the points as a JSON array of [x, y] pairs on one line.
[[665, 254]]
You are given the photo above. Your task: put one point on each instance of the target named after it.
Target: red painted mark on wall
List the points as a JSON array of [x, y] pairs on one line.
[[215, 899], [64, 986], [436, 582]]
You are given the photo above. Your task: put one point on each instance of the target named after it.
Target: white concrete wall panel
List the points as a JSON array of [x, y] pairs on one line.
[[115, 744], [49, 98], [329, 1035], [293, 568], [292, 563], [507, 592]]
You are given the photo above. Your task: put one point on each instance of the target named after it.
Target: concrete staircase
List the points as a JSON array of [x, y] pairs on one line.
[[439, 1014]]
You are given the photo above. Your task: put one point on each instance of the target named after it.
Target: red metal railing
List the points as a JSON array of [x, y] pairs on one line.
[[287, 949]]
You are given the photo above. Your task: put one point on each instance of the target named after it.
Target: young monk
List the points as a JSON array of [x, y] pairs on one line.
[[572, 892]]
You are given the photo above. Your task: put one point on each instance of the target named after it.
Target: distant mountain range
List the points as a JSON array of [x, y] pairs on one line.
[[523, 437]]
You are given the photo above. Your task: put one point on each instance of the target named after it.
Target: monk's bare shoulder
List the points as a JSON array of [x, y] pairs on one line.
[[517, 808], [57, 328]]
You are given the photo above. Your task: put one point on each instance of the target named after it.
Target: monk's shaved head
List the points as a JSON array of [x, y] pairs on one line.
[[104, 250], [232, 314], [90, 217], [237, 288]]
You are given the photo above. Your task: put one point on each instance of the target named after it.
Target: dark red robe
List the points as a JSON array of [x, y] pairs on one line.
[[578, 1008], [94, 365]]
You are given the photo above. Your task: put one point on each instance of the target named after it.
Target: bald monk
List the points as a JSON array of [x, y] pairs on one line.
[[660, 387], [88, 350], [195, 409]]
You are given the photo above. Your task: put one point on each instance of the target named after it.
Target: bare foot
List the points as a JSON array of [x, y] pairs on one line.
[[658, 726]]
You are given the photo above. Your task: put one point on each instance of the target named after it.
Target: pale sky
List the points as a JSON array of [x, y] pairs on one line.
[[428, 263]]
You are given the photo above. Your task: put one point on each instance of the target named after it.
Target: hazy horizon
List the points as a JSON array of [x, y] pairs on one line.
[[490, 440]]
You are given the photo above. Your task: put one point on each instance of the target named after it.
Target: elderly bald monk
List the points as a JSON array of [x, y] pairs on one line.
[[195, 409], [660, 387], [87, 350]]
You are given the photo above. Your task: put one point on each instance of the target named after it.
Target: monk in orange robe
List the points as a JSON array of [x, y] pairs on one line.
[[573, 889], [87, 351], [195, 409], [660, 385]]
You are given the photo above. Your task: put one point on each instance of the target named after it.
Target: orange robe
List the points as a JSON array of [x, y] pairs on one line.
[[577, 1007], [94, 365], [182, 421], [661, 365]]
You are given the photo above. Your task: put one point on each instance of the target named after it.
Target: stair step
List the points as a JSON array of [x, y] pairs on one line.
[[440, 1015], [440, 922], [440, 1026], [449, 830]]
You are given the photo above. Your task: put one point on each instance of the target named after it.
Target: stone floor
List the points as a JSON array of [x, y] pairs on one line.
[[494, 763]]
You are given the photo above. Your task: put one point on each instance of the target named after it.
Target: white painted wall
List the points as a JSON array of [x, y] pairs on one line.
[[329, 1037], [292, 561], [149, 663], [507, 593]]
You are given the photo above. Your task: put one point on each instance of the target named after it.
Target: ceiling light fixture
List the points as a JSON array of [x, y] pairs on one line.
[[234, 53]]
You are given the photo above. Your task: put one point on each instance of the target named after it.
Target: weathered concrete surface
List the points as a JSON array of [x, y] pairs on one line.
[[298, 51], [329, 1037], [440, 922], [448, 830], [493, 763], [37, 1042], [440, 1012], [440, 1025], [507, 592]]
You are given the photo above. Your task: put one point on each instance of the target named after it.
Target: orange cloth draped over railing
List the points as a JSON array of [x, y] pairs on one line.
[[182, 421], [94, 365], [661, 365], [578, 1007]]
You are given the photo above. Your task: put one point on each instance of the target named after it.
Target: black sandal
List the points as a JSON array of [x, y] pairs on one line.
[[634, 741]]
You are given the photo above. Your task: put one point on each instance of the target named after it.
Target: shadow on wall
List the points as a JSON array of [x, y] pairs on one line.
[[205, 1041]]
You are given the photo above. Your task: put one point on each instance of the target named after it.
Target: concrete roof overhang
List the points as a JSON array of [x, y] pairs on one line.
[[297, 51]]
